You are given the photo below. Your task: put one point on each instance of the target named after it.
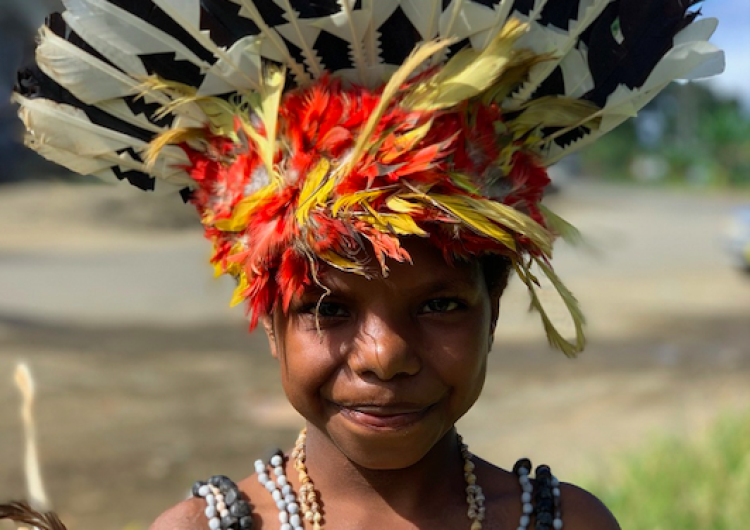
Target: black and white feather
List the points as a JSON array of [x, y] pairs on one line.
[[81, 102]]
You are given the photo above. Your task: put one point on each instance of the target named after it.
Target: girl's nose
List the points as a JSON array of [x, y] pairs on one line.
[[385, 349]]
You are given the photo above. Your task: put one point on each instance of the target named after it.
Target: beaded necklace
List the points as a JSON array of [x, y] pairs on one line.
[[228, 509], [311, 507]]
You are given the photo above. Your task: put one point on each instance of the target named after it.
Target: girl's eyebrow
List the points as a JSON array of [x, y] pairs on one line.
[[457, 284]]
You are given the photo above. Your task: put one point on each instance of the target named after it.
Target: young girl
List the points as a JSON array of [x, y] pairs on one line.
[[381, 370], [370, 173]]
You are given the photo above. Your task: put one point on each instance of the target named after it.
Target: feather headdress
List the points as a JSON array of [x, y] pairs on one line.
[[324, 132]]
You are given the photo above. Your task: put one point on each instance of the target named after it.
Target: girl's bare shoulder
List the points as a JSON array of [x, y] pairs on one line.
[[580, 509], [191, 513], [187, 515], [583, 511]]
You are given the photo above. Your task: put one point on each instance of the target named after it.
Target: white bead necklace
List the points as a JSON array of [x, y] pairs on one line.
[[308, 504], [281, 491]]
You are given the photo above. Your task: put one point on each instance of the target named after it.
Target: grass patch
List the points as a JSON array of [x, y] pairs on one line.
[[699, 484]]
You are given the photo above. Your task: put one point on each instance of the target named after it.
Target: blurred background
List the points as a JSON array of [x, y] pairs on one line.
[[147, 381]]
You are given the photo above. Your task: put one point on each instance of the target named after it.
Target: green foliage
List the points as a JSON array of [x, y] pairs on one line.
[[687, 135], [702, 484]]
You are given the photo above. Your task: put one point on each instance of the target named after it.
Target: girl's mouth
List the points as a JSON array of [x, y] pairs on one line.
[[389, 417]]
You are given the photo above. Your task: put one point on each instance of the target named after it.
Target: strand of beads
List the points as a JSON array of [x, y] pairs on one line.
[[547, 500], [226, 509], [308, 498], [474, 495], [281, 491], [546, 506], [522, 470]]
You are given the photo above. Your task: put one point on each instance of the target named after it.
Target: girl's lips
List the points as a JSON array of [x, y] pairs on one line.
[[385, 418]]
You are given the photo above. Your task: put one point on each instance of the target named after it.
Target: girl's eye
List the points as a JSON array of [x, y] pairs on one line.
[[440, 305], [327, 310]]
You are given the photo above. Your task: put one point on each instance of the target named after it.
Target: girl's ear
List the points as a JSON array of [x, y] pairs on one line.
[[270, 330]]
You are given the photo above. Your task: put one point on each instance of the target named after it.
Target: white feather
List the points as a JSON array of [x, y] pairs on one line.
[[224, 78], [690, 56], [622, 104], [76, 163], [449, 18], [120, 35], [249, 10], [684, 60], [378, 13], [474, 18], [120, 110], [588, 11], [303, 35], [537, 10], [167, 170], [64, 135], [125, 61], [88, 78], [187, 14], [356, 24], [169, 167], [424, 15], [482, 38], [68, 128], [576, 76], [699, 30]]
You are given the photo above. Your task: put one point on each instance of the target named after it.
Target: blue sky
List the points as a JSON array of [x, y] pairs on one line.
[[733, 36]]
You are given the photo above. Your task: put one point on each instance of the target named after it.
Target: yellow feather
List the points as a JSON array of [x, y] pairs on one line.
[[479, 212], [315, 191], [220, 116], [403, 225], [218, 269], [271, 91], [158, 84], [266, 106], [393, 223], [553, 335], [238, 296], [516, 72], [468, 73], [519, 222], [170, 137], [341, 263], [474, 218], [400, 205], [346, 202], [554, 111], [569, 233], [244, 209]]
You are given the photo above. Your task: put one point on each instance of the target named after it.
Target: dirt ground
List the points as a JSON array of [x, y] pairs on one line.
[[132, 408]]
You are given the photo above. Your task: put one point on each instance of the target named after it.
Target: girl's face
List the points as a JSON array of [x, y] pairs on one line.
[[395, 361]]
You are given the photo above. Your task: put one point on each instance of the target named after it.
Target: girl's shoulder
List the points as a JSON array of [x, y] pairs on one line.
[[212, 503], [584, 511], [187, 515]]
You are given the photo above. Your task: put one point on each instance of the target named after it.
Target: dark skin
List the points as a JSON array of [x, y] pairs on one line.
[[381, 370]]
